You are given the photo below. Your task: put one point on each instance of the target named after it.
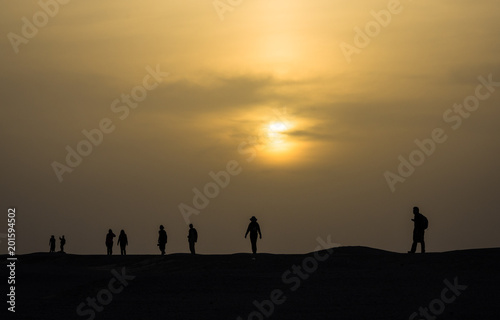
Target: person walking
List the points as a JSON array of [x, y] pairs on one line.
[[109, 242], [192, 238], [62, 242], [52, 244], [254, 230], [420, 223], [122, 242], [162, 239]]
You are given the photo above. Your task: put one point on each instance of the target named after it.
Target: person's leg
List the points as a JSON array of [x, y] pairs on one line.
[[422, 244], [254, 245], [413, 247]]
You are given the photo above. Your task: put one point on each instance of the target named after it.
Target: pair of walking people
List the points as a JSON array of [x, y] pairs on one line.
[[52, 243], [122, 242]]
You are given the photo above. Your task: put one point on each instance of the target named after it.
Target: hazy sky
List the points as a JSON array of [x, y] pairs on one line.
[[312, 105]]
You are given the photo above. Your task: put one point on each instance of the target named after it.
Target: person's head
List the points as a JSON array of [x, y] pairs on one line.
[[63, 236], [110, 231], [191, 226], [122, 232], [52, 236], [253, 219], [161, 227], [415, 210]]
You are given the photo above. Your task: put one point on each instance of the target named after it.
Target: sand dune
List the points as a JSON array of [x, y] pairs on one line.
[[351, 283]]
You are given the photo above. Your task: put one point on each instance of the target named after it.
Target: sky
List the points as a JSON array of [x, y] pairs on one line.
[[324, 118]]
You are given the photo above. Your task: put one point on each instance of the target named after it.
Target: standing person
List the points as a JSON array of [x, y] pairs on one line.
[[109, 242], [52, 244], [254, 229], [420, 224], [192, 238], [62, 243], [122, 242], [162, 239]]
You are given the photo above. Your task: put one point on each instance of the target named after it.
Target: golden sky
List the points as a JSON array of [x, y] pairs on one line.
[[311, 104]]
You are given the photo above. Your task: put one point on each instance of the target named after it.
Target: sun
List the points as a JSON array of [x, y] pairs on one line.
[[276, 133]]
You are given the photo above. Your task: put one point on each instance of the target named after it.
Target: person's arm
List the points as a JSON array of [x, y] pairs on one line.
[[258, 229]]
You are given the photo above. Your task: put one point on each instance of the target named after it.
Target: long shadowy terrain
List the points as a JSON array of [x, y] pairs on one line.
[[353, 283]]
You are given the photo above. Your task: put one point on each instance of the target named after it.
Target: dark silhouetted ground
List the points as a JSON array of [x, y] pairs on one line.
[[354, 283]]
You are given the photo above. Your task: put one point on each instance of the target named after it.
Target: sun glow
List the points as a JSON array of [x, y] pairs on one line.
[[277, 139]]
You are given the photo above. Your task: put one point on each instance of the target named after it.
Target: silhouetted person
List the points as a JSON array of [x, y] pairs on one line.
[[52, 244], [123, 242], [62, 242], [109, 242], [420, 224], [162, 239], [254, 229], [192, 238]]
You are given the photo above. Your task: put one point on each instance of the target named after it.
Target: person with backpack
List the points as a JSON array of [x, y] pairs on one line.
[[420, 224], [192, 238], [254, 229]]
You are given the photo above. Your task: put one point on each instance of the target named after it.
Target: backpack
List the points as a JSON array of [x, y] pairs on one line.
[[425, 222]]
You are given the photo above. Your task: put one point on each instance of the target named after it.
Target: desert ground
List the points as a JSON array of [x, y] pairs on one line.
[[341, 283]]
